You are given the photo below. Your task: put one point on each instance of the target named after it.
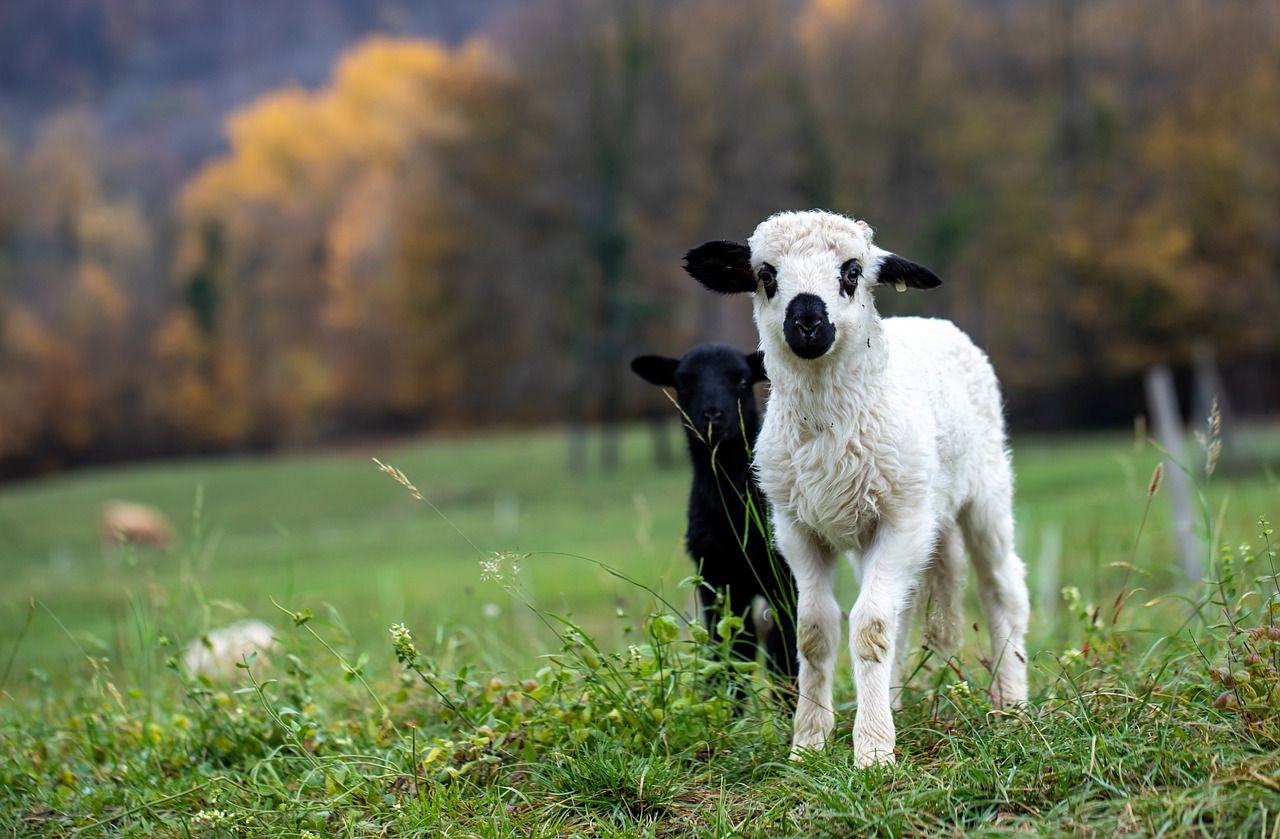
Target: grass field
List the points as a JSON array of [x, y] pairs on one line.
[[504, 720]]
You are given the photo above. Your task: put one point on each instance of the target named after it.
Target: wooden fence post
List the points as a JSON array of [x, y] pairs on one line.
[[1166, 421]]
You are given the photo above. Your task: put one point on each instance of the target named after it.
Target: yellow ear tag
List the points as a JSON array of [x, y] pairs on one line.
[[900, 285]]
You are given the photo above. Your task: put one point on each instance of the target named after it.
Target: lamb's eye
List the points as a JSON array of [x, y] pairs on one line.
[[768, 279], [849, 273]]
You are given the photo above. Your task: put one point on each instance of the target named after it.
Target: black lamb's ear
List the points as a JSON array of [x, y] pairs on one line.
[[903, 273], [755, 360], [655, 369], [723, 266]]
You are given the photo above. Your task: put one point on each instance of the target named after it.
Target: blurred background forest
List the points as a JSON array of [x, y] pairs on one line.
[[228, 225]]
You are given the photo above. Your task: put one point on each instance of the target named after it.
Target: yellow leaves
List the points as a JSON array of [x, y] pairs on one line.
[[24, 335], [115, 230], [359, 241], [203, 394], [292, 147], [42, 386], [100, 291], [1159, 252], [310, 209], [177, 339], [398, 90], [822, 21], [280, 144], [308, 376], [835, 11]]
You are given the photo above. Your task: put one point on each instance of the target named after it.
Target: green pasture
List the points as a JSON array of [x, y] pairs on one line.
[[333, 534], [572, 697]]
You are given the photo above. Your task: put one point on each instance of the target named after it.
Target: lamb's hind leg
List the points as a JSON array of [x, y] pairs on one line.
[[902, 649], [939, 602], [988, 529], [942, 594], [817, 633]]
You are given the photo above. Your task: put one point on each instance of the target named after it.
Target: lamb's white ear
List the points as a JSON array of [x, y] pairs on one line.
[[900, 273]]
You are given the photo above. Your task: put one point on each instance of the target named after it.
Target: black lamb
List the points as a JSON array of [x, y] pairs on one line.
[[714, 386]]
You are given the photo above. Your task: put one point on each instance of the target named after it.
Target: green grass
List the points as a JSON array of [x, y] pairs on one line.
[[606, 720], [333, 529]]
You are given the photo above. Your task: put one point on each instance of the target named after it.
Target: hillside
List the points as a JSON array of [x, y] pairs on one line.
[[174, 70]]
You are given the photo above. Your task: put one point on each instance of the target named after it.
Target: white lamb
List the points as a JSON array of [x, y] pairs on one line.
[[882, 438], [216, 653]]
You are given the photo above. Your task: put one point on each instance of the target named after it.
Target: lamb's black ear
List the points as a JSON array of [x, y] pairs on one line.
[[755, 360], [655, 369], [896, 271], [722, 266]]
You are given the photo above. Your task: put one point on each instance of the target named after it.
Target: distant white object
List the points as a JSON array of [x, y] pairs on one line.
[[506, 514], [217, 652], [1162, 401], [128, 522]]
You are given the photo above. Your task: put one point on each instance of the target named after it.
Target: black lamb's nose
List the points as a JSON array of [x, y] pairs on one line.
[[712, 416]]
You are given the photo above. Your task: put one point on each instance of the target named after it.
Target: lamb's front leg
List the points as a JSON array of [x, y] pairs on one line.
[[889, 571], [813, 565]]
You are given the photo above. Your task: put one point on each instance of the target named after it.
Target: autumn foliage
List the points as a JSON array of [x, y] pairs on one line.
[[483, 232]]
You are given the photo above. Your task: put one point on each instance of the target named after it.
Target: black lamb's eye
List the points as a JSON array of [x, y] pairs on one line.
[[768, 279], [849, 273]]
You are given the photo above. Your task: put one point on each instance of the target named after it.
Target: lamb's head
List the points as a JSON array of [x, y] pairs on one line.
[[811, 275], [714, 386]]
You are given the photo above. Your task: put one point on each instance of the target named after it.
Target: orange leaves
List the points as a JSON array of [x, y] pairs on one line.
[[199, 392], [310, 209], [44, 394], [822, 22], [448, 231]]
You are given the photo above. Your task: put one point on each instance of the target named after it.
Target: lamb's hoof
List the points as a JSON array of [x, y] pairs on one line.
[[1017, 701], [874, 757], [804, 745]]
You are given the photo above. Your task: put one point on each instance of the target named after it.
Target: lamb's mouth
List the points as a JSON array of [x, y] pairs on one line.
[[719, 431]]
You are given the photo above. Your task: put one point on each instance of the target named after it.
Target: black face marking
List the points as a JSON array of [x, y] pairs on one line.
[[849, 273], [807, 329], [768, 279]]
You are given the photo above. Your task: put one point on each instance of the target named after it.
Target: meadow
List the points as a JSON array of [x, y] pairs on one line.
[[543, 678]]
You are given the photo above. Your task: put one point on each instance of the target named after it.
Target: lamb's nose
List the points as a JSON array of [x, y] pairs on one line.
[[809, 323], [712, 416], [807, 328]]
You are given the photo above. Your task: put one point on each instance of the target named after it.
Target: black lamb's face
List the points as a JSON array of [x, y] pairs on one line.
[[714, 387]]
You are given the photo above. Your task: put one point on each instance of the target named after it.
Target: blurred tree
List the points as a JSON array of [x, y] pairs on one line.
[[292, 251], [484, 233], [71, 249]]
